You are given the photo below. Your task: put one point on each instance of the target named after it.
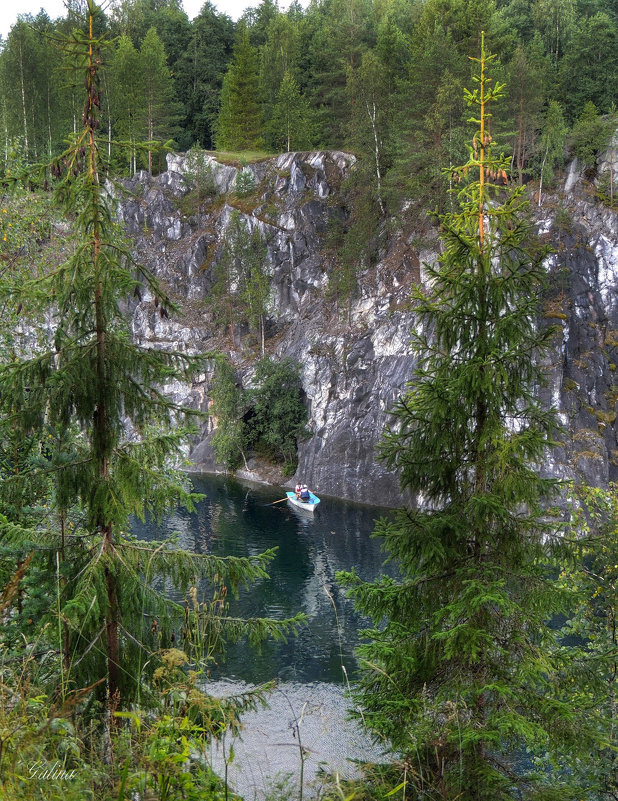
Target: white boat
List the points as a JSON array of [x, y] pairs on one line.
[[307, 507]]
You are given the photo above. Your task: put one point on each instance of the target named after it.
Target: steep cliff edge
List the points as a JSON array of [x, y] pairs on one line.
[[354, 369]]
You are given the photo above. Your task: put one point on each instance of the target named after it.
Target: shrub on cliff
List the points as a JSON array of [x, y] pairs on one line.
[[279, 416]]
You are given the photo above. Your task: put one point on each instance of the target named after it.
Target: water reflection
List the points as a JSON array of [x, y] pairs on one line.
[[234, 519]]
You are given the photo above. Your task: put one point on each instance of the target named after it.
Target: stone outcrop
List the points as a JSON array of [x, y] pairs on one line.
[[355, 365]]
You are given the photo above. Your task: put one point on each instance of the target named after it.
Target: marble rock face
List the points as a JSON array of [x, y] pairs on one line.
[[356, 363]]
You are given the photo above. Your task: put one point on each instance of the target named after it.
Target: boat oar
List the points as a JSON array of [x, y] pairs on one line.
[[279, 501]]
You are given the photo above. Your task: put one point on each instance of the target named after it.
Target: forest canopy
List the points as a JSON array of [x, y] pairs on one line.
[[382, 79]]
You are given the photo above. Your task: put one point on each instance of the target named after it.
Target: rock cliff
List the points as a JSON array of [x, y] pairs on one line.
[[354, 368]]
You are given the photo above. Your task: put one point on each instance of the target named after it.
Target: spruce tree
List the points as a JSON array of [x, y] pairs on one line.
[[457, 672], [199, 72], [88, 379], [279, 55], [240, 117]]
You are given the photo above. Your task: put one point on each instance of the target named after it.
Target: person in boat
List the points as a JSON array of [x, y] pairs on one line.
[[297, 490], [305, 495]]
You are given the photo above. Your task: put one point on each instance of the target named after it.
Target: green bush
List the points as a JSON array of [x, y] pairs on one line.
[[229, 440], [245, 183], [278, 418]]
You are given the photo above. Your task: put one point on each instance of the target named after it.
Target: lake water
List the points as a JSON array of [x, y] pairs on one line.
[[312, 668]]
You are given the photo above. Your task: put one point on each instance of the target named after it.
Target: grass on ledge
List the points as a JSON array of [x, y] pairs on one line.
[[237, 159]]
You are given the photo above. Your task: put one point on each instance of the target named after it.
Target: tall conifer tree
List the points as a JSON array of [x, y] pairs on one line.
[[161, 111], [240, 118], [457, 673], [90, 377], [199, 72]]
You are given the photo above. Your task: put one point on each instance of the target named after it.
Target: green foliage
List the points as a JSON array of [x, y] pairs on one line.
[[590, 66], [245, 183], [375, 783], [593, 668], [239, 122], [427, 131], [72, 392], [198, 175], [125, 99], [241, 287], [526, 73], [371, 112], [460, 671], [588, 136], [269, 418], [168, 756], [553, 140], [198, 73], [40, 739], [279, 415], [287, 80], [354, 241], [279, 55], [36, 105], [289, 126], [141, 103], [161, 111], [228, 406]]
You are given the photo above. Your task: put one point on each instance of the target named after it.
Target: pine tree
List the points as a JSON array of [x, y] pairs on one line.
[[239, 123], [458, 675]]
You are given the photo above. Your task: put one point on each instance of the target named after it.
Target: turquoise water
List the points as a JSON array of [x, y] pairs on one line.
[[310, 696], [238, 519]]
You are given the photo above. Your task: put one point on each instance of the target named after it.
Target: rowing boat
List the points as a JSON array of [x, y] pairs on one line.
[[307, 507]]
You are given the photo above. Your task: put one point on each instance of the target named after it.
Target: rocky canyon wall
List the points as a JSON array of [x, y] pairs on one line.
[[355, 365]]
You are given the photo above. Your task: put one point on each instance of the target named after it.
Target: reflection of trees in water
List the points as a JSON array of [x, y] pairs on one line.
[[310, 550]]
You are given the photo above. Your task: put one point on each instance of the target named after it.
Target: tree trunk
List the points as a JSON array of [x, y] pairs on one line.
[[23, 99], [100, 415], [542, 170], [150, 131], [372, 114], [49, 132], [520, 161]]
